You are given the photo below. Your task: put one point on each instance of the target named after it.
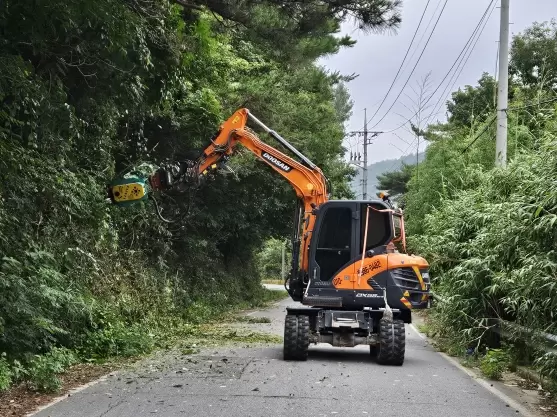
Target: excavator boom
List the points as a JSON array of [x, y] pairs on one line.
[[305, 177]]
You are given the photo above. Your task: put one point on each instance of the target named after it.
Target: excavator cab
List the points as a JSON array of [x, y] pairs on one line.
[[359, 288], [352, 262], [338, 239]]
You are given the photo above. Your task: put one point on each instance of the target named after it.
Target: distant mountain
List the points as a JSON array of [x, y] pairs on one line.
[[378, 168]]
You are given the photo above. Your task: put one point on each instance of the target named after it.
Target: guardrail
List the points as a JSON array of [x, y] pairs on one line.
[[502, 327]]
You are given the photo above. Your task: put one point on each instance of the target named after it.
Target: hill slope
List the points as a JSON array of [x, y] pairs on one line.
[[378, 168]]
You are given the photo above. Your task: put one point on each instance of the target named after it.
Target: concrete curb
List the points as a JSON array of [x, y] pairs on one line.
[[70, 393], [484, 383]]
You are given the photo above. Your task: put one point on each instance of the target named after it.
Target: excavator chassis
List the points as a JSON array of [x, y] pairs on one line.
[[341, 328]]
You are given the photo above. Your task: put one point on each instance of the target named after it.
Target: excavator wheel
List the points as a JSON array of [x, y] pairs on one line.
[[296, 337], [392, 342]]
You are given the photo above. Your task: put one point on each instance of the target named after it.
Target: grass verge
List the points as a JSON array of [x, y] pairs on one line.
[[43, 377]]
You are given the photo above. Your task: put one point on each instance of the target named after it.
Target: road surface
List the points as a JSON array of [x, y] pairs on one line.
[[256, 382]]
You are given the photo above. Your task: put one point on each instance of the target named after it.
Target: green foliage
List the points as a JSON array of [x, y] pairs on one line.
[[43, 370], [547, 364], [490, 248], [91, 90], [534, 57], [117, 339], [396, 182], [5, 373], [489, 233], [494, 363], [48, 308], [342, 102], [473, 105], [269, 258], [269, 296], [297, 31]]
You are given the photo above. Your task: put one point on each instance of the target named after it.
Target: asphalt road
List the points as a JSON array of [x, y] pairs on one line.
[[257, 382]]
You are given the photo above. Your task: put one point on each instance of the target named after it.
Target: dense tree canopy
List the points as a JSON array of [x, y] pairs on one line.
[[92, 90]]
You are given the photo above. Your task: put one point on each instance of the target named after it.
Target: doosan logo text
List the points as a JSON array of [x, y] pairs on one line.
[[368, 295], [276, 162]]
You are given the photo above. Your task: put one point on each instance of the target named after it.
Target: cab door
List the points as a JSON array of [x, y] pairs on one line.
[[332, 250]]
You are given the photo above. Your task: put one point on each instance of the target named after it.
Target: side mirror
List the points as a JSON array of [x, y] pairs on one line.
[[370, 253]]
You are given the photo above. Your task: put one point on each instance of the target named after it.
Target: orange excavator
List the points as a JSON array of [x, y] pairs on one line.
[[354, 288]]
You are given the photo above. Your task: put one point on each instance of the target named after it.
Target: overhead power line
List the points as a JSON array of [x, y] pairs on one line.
[[458, 71], [491, 122], [415, 65], [425, 30], [404, 154], [402, 63], [479, 135], [457, 60]]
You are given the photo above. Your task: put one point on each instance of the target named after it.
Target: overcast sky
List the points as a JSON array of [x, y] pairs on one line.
[[377, 57]]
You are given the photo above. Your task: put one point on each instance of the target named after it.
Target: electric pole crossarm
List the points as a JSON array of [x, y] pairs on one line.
[[363, 164]]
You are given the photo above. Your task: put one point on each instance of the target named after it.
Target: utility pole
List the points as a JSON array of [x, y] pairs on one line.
[[418, 161], [364, 192], [357, 161], [503, 87]]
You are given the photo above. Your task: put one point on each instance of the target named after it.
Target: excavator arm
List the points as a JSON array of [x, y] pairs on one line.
[[306, 178]]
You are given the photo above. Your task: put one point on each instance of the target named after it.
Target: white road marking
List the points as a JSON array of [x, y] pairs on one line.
[[417, 331], [70, 393]]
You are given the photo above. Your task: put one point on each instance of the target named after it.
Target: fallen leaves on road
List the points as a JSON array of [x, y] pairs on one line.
[[20, 400]]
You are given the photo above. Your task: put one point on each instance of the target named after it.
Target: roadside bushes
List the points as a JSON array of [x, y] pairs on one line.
[[494, 363], [91, 92], [493, 250], [5, 373], [43, 370]]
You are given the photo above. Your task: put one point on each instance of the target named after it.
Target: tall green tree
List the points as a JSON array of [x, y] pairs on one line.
[[471, 106], [396, 182], [533, 60]]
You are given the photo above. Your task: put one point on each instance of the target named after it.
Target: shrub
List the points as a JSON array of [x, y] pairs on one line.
[[44, 369], [117, 339], [494, 363], [5, 373]]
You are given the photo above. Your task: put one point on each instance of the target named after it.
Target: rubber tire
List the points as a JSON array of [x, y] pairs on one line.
[[296, 338], [392, 343]]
